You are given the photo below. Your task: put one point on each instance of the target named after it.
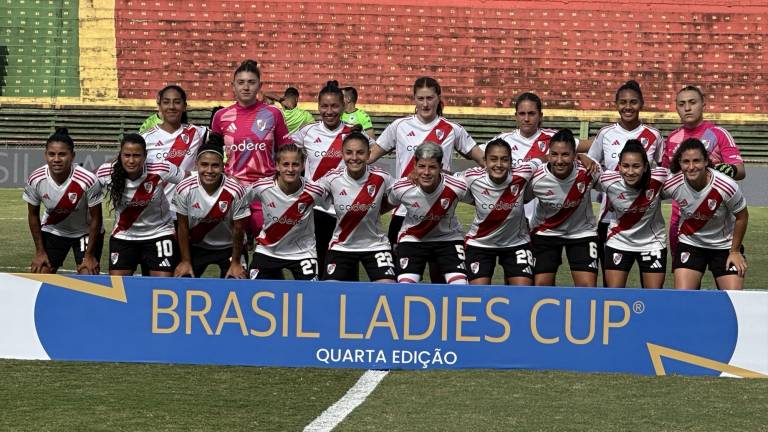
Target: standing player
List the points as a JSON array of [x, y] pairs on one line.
[[295, 117], [359, 194], [287, 240], [713, 223], [430, 230], [500, 229], [637, 231], [355, 116], [210, 209], [610, 141], [173, 140], [72, 220], [143, 230], [721, 148], [563, 216], [252, 133]]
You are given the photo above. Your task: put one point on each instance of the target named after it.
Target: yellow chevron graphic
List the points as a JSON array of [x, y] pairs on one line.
[[114, 292], [658, 351]]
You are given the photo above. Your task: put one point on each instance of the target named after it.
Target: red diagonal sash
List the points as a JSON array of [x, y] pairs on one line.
[[502, 209], [536, 151], [332, 156], [65, 205], [178, 150], [138, 203], [564, 213], [435, 213], [436, 135], [288, 220], [647, 134], [213, 218], [703, 213], [360, 207], [631, 217]]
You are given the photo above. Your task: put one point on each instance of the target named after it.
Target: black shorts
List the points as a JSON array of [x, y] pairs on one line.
[[344, 266], [517, 261], [412, 257], [651, 261], [548, 253], [157, 254], [57, 248], [202, 258], [267, 267], [697, 258]]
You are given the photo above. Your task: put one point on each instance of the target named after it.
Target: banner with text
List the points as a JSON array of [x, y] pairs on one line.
[[382, 326]]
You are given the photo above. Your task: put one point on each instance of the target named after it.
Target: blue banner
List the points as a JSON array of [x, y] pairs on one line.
[[382, 326]]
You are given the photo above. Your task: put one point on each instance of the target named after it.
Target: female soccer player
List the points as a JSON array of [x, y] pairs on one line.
[[322, 142], [174, 139], [287, 240], [500, 229], [143, 230], [72, 220], [529, 140], [253, 131], [405, 134], [637, 231], [610, 141], [563, 216], [713, 220], [430, 230], [359, 195], [722, 150], [211, 209]]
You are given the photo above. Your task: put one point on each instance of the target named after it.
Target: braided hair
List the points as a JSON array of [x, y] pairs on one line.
[[119, 176]]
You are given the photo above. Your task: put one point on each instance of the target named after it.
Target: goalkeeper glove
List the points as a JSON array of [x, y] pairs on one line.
[[727, 169]]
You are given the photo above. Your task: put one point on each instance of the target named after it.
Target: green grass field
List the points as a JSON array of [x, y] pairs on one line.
[[73, 396]]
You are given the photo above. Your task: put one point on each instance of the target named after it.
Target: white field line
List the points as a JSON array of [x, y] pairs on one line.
[[12, 218], [355, 396]]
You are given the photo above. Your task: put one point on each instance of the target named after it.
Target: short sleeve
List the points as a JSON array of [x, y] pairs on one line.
[[736, 202], [364, 119], [464, 142], [388, 139], [596, 149], [174, 175], [30, 195], [94, 195], [178, 202], [298, 136], [242, 207], [729, 152], [393, 197], [282, 136]]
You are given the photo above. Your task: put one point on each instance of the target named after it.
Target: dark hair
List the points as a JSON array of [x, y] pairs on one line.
[[566, 136], [61, 135], [630, 85], [693, 89], [634, 146], [528, 96], [431, 83], [214, 144], [356, 135], [689, 144], [331, 87], [290, 148], [213, 114], [498, 142], [184, 117], [291, 92], [352, 92], [119, 175], [248, 66]]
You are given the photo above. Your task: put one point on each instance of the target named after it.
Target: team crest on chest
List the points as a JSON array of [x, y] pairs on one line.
[[617, 258], [644, 141], [712, 204], [371, 190], [261, 124], [439, 134], [542, 145], [445, 203], [223, 206], [72, 197], [580, 186], [302, 207], [649, 194], [185, 138], [148, 187], [403, 263], [684, 257], [515, 189]]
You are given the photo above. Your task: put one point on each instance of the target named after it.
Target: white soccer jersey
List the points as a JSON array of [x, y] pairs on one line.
[[178, 147], [429, 217], [499, 215], [144, 212], [525, 149], [210, 216], [610, 141], [707, 216], [564, 208], [289, 224], [358, 207], [66, 205], [639, 225]]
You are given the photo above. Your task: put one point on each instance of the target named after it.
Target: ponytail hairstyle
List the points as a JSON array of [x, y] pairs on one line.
[[634, 146], [430, 83], [498, 142], [249, 66], [689, 144], [213, 114], [119, 175], [631, 85], [566, 136], [331, 87], [214, 144], [288, 148], [184, 117], [61, 135]]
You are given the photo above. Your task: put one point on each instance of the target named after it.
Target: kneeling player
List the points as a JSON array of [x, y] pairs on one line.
[[72, 220], [287, 239], [211, 209], [143, 232], [359, 196], [430, 230]]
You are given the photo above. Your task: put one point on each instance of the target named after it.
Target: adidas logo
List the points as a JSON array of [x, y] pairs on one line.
[[271, 204], [683, 202], [527, 270], [621, 196], [46, 197], [514, 148], [165, 263], [656, 265], [389, 272], [343, 192], [593, 264], [196, 205], [615, 142], [159, 144], [550, 193], [411, 133], [231, 127], [415, 205], [485, 192], [318, 140]]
